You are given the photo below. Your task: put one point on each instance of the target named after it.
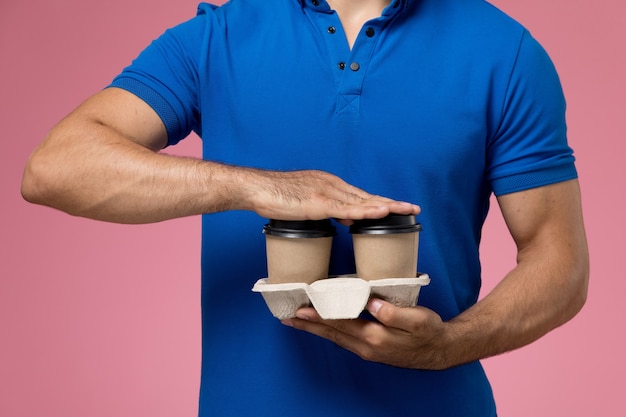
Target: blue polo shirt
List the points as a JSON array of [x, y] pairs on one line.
[[439, 102]]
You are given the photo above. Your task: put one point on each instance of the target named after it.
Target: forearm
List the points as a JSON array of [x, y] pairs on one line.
[[530, 301], [546, 288], [87, 169]]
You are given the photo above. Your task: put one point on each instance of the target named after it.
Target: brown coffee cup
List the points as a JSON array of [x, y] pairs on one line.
[[298, 251], [387, 247]]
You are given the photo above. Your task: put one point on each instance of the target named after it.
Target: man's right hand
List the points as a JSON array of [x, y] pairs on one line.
[[314, 195]]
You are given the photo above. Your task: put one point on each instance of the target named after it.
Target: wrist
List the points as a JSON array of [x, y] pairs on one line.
[[226, 187], [456, 345], [246, 188], [447, 348]]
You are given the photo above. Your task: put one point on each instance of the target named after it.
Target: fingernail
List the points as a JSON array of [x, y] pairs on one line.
[[374, 305], [287, 323], [302, 315]]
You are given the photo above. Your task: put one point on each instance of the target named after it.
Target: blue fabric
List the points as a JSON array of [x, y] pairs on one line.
[[451, 101]]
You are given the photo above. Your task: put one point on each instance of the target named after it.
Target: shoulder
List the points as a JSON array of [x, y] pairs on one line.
[[470, 28], [249, 9], [482, 15]]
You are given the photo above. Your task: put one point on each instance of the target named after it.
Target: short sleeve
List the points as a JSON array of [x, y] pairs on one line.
[[529, 148], [165, 76]]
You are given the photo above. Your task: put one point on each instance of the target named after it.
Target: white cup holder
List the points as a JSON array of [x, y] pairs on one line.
[[342, 297]]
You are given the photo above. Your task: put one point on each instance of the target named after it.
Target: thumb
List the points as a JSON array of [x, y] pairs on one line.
[[385, 312], [397, 317], [374, 305]]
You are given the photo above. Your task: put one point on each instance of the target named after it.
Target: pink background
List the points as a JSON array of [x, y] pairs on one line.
[[103, 320]]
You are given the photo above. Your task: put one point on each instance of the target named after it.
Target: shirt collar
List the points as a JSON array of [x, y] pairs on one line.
[[321, 5]]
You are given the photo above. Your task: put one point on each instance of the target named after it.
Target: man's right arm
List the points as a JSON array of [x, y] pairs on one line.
[[102, 162]]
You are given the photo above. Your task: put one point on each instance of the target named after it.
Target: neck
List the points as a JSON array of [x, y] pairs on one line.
[[359, 6], [354, 13]]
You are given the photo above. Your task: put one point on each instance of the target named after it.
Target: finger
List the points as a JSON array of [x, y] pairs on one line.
[[394, 206], [344, 333], [351, 194], [402, 318], [370, 340], [366, 333], [357, 210], [375, 207], [345, 222], [368, 209], [402, 207]]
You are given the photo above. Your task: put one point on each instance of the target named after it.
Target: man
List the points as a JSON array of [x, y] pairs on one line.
[[314, 109]]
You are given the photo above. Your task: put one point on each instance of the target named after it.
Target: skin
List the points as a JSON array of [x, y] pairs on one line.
[[546, 289], [102, 162], [354, 13]]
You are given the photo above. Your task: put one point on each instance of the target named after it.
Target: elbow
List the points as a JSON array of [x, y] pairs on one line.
[[579, 288], [32, 188], [37, 185], [583, 286]]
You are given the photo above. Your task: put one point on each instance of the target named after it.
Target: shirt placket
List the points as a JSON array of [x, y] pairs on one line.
[[350, 65]]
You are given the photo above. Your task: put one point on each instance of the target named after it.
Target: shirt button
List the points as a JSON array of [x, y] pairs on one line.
[[370, 32], [331, 29], [355, 66], [341, 65], [315, 3]]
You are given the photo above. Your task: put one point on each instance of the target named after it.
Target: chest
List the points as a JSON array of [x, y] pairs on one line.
[[294, 96]]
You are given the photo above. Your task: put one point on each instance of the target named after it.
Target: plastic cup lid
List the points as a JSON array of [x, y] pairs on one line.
[[393, 223], [300, 228]]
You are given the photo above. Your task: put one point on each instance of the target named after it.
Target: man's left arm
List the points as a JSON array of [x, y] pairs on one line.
[[546, 289]]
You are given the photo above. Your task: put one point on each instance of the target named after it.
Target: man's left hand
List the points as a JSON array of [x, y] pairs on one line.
[[411, 337]]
